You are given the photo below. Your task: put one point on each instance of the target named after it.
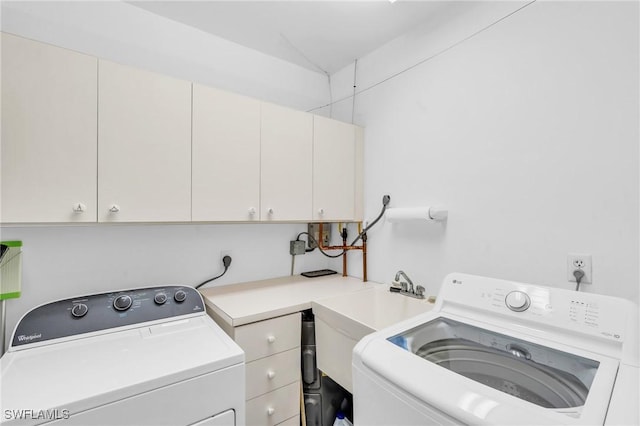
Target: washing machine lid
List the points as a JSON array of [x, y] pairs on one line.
[[484, 375]]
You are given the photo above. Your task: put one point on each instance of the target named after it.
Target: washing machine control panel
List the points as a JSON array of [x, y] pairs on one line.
[[80, 316], [587, 313]]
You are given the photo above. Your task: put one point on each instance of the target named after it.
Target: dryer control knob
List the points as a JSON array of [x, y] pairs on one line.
[[122, 303], [180, 296], [517, 301], [79, 310], [160, 298]]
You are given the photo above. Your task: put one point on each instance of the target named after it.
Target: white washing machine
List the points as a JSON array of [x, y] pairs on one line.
[[146, 356], [499, 352]]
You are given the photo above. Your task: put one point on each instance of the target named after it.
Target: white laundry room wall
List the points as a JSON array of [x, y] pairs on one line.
[[527, 131], [66, 261]]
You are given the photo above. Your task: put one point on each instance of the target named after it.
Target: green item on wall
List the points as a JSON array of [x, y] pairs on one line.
[[10, 269]]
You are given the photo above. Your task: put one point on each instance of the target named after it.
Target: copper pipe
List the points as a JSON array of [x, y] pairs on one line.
[[346, 248]]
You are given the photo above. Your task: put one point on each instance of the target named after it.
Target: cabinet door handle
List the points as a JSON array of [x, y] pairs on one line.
[[252, 211], [271, 339], [114, 208], [270, 411], [79, 208], [271, 374], [321, 212], [270, 211]]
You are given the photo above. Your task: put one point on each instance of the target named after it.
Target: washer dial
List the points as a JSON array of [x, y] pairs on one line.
[[517, 301], [79, 310], [160, 298], [180, 296], [122, 303]]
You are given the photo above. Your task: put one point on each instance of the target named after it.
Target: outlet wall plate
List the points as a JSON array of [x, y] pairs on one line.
[[579, 261], [314, 229]]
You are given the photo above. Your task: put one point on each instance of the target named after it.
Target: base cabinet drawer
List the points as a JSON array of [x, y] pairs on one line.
[[265, 338], [268, 374], [293, 421], [274, 407]]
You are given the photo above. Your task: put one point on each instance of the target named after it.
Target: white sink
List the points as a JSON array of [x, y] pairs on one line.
[[342, 321]]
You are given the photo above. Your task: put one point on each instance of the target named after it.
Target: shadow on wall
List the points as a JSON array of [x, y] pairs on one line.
[[413, 232]]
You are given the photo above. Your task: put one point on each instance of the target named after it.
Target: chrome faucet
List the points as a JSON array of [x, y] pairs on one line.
[[410, 289], [407, 287]]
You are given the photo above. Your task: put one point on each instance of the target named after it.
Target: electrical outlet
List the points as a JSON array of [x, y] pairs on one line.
[[224, 253], [314, 229], [579, 261]]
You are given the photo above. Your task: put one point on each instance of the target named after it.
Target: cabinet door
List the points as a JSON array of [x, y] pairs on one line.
[[225, 156], [49, 101], [144, 146], [333, 170], [286, 161]]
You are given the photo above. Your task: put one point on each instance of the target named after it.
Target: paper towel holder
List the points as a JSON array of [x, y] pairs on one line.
[[435, 213], [438, 213]]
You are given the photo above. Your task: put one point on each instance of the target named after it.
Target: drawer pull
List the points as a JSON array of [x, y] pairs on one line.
[[271, 339], [270, 411], [271, 374]]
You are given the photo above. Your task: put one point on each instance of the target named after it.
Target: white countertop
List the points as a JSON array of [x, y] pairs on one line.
[[239, 304], [344, 302]]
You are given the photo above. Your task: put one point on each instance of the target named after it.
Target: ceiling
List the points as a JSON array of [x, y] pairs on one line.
[[321, 35]]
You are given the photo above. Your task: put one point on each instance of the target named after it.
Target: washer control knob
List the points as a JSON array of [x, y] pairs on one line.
[[180, 296], [79, 310], [160, 298], [122, 303], [517, 301]]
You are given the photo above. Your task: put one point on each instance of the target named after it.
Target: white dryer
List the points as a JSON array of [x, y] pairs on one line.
[[146, 356], [499, 352]]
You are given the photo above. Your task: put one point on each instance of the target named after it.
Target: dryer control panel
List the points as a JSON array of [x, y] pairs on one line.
[[80, 316]]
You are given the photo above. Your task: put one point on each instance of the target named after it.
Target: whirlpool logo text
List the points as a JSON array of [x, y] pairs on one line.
[[25, 338]]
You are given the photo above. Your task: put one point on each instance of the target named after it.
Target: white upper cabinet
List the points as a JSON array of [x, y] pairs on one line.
[[286, 160], [225, 156], [144, 146], [86, 140], [48, 133], [334, 170]]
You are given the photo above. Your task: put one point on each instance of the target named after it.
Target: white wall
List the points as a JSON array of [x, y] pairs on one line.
[[129, 35], [528, 132], [65, 261]]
